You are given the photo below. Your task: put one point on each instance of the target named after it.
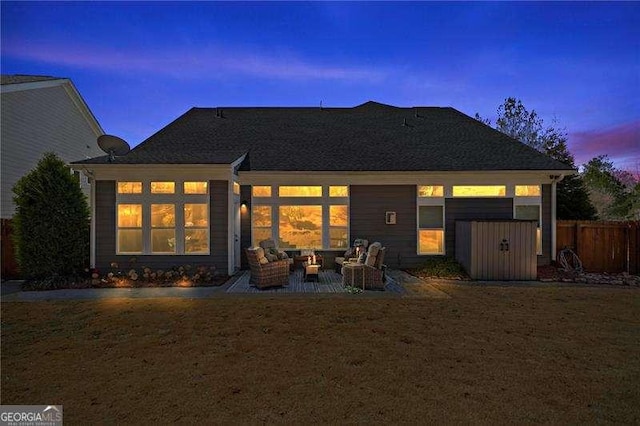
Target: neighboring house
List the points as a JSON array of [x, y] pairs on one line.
[[41, 114], [220, 179]]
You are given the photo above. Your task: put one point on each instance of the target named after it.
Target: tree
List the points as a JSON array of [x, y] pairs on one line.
[[572, 198], [51, 222], [615, 193]]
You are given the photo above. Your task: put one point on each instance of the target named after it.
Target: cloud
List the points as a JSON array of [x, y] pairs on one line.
[[211, 62], [621, 143]]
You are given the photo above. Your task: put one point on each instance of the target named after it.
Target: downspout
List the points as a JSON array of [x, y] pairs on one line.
[[92, 224], [554, 181]]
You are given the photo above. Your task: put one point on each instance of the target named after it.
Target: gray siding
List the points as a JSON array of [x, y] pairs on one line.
[[545, 259], [472, 208], [106, 232], [368, 204], [36, 121]]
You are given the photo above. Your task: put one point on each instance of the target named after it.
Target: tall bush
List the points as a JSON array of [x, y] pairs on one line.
[[51, 222]]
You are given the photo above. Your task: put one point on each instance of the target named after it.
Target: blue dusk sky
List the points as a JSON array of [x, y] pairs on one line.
[[141, 65]]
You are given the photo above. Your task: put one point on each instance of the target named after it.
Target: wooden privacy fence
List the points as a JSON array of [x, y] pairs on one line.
[[9, 264], [602, 246]]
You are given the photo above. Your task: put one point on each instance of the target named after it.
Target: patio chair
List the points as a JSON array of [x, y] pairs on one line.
[[351, 252], [373, 270], [272, 253], [265, 274]]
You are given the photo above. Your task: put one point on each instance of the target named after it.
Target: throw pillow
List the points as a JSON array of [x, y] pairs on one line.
[[271, 257], [263, 260]]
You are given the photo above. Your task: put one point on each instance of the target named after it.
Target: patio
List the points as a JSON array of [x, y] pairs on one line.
[[328, 282]]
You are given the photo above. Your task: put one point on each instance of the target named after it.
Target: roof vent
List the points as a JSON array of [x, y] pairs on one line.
[[417, 114], [404, 123], [219, 113]]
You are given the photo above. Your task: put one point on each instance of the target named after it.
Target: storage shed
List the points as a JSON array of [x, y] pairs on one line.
[[497, 249]]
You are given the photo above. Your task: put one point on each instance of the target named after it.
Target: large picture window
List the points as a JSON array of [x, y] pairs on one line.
[[162, 217], [301, 217], [300, 227]]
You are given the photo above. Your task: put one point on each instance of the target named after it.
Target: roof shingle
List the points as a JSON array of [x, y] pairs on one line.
[[368, 137]]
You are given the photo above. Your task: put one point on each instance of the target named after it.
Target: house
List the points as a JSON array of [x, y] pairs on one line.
[[39, 114], [42, 114], [216, 180]]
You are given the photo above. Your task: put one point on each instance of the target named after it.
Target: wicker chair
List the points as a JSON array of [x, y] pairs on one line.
[[267, 274], [373, 270]]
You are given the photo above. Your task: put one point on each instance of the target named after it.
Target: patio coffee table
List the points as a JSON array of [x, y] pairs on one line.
[[311, 272], [301, 260]]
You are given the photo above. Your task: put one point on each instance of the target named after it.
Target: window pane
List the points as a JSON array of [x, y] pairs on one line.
[[431, 241], [260, 234], [300, 191], [195, 187], [261, 215], [338, 191], [480, 191], [527, 190], [528, 213], [430, 217], [338, 237], [539, 241], [196, 241], [300, 226], [430, 191], [236, 188], [196, 215], [163, 187], [338, 216], [129, 215], [261, 191], [163, 215], [130, 241], [163, 240], [129, 187]]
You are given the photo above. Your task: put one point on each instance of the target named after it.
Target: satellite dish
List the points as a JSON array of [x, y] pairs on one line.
[[113, 145]]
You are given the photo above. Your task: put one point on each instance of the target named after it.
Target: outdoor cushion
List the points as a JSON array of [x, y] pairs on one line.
[[263, 260], [372, 254]]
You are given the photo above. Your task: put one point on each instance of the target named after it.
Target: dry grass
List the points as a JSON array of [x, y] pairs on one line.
[[555, 354]]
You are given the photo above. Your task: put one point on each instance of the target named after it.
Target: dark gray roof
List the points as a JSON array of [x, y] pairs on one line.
[[20, 78], [369, 137]]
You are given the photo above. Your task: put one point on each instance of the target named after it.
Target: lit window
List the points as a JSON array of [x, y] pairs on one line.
[[163, 187], [129, 228], [196, 228], [129, 187], [431, 230], [300, 227], [527, 190], [338, 191], [261, 222], [480, 191], [338, 223], [430, 191], [163, 228], [531, 213], [261, 191], [195, 187], [236, 188], [300, 191]]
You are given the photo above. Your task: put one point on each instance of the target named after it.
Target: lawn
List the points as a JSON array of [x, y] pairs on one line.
[[487, 354]]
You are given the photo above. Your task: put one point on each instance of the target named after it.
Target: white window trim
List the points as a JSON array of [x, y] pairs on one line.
[[535, 200], [432, 201], [324, 201], [179, 199]]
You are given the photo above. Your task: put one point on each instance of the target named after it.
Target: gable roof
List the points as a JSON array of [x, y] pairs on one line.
[[368, 137]]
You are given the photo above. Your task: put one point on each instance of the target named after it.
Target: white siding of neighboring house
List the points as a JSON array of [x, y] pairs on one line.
[[39, 120]]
